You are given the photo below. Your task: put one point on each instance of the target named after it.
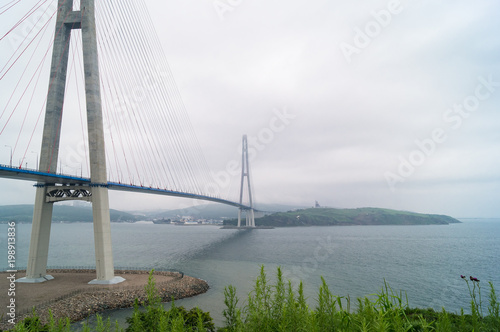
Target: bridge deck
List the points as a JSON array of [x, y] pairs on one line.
[[55, 178]]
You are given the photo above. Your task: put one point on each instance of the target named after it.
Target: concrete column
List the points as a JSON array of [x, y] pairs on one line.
[[243, 147], [67, 19], [102, 238], [252, 218], [42, 214], [97, 156], [245, 172], [39, 245]]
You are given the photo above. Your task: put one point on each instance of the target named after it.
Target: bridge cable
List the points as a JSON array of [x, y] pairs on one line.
[[112, 90], [20, 45], [134, 72], [154, 122], [25, 16], [175, 129], [175, 104], [10, 6], [40, 71], [123, 82], [200, 160], [20, 79], [80, 65]]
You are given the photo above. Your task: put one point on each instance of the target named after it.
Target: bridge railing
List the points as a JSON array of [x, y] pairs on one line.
[[50, 177]]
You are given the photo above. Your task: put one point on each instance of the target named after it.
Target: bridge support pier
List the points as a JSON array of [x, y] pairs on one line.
[[98, 174], [40, 236], [102, 238], [249, 218]]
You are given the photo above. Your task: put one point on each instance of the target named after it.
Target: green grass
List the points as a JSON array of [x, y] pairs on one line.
[[279, 307]]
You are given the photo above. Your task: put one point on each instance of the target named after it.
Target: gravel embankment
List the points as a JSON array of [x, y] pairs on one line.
[[69, 295]]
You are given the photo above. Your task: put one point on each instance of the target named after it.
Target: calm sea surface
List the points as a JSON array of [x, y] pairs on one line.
[[424, 261]]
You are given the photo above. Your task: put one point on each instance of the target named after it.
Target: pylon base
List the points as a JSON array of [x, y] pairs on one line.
[[35, 280], [115, 280]]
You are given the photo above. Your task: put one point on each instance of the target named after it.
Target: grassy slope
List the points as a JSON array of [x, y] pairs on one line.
[[24, 213], [361, 216]]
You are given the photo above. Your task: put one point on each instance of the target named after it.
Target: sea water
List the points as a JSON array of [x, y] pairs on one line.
[[424, 261]]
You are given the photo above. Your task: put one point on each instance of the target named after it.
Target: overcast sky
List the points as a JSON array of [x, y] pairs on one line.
[[351, 103]]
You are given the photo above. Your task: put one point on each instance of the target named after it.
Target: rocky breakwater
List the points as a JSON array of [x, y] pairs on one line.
[[82, 300]]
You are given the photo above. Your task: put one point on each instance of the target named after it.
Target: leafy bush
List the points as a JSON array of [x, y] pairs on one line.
[[279, 308], [156, 318]]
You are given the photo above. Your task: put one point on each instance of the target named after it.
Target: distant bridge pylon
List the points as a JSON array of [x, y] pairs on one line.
[[245, 173]]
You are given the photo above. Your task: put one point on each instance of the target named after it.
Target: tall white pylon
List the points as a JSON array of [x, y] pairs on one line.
[[97, 191], [245, 172]]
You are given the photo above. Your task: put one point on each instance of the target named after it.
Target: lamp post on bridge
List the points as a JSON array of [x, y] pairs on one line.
[[37, 166], [8, 146]]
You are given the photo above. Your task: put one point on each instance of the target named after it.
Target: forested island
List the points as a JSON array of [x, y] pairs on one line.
[[346, 217]]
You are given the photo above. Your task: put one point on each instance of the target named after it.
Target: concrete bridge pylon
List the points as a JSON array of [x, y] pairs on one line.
[[97, 190], [245, 173]]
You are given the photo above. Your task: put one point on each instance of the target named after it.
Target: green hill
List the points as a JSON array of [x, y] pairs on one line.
[[24, 213], [211, 211], [345, 217]]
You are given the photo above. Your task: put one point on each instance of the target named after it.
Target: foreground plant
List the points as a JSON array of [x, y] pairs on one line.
[[277, 307], [156, 318], [34, 324], [476, 301]]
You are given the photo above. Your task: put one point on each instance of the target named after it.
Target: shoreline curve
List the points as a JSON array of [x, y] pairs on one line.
[[69, 295]]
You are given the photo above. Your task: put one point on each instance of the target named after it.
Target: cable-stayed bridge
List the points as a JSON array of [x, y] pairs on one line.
[[66, 186], [107, 66]]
